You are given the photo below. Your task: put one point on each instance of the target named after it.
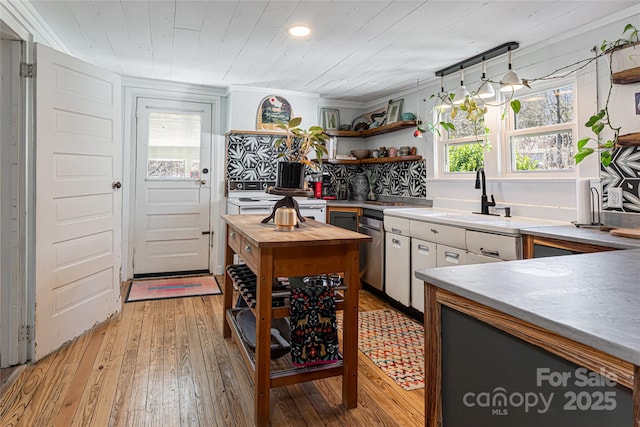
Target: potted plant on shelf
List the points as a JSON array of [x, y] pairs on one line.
[[298, 144], [601, 120]]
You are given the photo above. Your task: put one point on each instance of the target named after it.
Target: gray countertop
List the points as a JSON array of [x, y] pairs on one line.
[[592, 236], [593, 299], [357, 204]]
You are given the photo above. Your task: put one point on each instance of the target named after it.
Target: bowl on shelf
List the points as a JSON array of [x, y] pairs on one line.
[[360, 154]]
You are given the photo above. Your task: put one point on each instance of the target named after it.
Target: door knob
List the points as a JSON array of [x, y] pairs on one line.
[[203, 181], [116, 185]]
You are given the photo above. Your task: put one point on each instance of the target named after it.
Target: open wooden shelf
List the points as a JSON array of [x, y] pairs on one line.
[[629, 139], [626, 77], [372, 160], [371, 132]]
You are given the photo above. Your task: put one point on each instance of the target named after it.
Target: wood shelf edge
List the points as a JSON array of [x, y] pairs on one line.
[[372, 160], [372, 132], [625, 77], [629, 139]]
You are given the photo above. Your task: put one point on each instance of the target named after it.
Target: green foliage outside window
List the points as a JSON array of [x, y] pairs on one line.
[[465, 157], [525, 163]]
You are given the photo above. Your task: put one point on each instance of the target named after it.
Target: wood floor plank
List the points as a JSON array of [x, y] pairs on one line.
[[204, 398], [137, 404], [212, 357], [125, 376], [166, 362], [186, 387], [170, 391], [154, 411]]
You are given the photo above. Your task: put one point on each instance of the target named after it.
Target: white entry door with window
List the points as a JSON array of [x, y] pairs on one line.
[[173, 187]]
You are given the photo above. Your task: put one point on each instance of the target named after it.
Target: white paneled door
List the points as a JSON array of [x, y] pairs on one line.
[[173, 187], [78, 201]]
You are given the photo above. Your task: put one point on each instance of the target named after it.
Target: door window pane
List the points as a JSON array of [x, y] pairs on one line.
[[174, 145], [551, 151], [464, 157]]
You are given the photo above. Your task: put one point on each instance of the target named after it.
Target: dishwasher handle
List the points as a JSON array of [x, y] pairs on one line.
[[368, 227]]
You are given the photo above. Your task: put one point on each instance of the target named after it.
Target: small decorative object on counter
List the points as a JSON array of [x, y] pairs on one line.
[[383, 151], [413, 151], [371, 195], [375, 154], [407, 116], [343, 193], [404, 150], [360, 187], [285, 219], [392, 151]]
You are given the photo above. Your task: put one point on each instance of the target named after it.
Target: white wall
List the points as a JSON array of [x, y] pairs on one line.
[[243, 103]]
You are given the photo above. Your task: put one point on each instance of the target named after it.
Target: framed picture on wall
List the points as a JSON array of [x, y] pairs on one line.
[[394, 110], [330, 118], [271, 109]]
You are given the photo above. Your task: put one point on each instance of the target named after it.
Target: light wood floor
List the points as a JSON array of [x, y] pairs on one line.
[[165, 363]]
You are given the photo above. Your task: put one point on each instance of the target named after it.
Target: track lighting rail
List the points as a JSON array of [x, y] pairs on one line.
[[484, 56]]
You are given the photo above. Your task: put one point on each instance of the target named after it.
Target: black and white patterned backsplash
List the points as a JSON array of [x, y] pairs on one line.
[[253, 158], [407, 179], [623, 172]]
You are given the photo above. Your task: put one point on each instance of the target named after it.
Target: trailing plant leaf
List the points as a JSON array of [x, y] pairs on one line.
[[515, 105]]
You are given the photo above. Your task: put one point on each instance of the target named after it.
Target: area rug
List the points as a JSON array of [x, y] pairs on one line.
[[172, 287], [394, 343]]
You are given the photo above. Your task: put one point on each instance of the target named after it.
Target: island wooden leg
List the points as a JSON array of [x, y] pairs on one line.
[[350, 329], [228, 287], [433, 358], [636, 396], [263, 338]]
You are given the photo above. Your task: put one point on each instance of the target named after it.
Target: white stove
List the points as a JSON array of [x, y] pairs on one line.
[[261, 203]]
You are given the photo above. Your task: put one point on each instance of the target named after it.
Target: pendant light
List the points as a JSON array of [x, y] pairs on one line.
[[444, 101], [510, 82], [486, 90], [461, 93]]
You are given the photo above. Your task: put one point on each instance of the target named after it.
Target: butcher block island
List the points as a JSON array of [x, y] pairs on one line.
[[313, 248]]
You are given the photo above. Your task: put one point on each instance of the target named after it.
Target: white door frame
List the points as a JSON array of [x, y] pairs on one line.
[[16, 296], [142, 88]]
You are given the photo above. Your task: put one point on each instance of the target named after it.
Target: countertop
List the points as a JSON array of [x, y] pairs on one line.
[[366, 205], [592, 236], [590, 298], [310, 233]]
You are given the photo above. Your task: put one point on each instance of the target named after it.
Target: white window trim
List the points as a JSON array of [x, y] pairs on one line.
[[507, 133]]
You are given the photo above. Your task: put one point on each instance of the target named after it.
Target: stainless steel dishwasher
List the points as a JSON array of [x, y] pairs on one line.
[[372, 253]]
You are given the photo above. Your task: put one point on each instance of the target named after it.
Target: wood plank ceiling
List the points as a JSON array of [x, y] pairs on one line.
[[358, 50]]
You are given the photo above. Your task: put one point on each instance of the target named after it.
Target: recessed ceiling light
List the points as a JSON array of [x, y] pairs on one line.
[[299, 30]]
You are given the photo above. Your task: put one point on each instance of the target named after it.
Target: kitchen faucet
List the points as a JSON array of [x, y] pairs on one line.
[[480, 178]]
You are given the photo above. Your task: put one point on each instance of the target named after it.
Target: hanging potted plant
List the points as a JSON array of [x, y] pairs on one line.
[[298, 144], [628, 47]]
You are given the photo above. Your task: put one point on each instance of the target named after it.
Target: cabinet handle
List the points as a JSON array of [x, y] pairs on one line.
[[423, 248], [395, 242], [232, 234], [448, 254], [396, 231], [490, 253], [434, 231], [247, 249]]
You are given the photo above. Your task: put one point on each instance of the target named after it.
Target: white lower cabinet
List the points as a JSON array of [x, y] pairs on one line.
[[423, 255], [398, 267], [447, 256]]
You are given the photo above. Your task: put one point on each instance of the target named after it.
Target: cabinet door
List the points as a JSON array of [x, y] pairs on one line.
[[423, 255], [448, 256], [398, 267], [348, 220], [480, 259]]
